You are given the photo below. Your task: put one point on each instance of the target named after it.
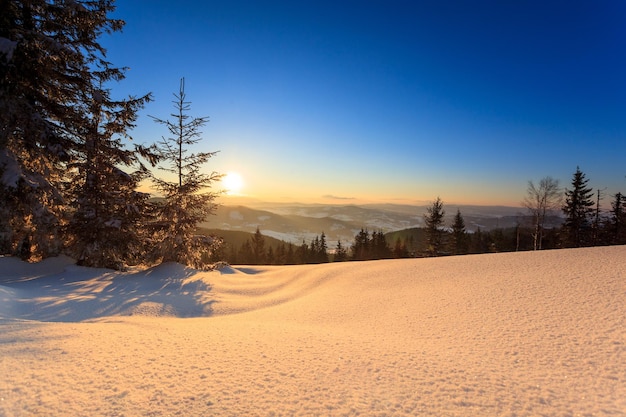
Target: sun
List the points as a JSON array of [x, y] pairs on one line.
[[233, 183]]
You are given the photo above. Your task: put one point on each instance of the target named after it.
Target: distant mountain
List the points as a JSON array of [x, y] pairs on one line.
[[297, 222]]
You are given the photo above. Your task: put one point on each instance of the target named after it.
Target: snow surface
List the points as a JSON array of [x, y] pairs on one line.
[[515, 334]]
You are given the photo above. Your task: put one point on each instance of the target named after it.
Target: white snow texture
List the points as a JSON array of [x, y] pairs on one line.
[[513, 334]]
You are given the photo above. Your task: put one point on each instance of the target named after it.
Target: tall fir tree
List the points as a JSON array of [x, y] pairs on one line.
[[459, 242], [379, 246], [434, 222], [188, 200], [578, 209], [257, 242], [617, 221], [107, 224], [361, 246], [341, 255], [50, 65]]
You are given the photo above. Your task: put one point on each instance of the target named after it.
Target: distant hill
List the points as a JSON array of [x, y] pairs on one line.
[[297, 222]]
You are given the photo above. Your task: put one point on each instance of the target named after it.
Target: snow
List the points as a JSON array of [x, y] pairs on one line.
[[515, 334], [7, 48], [9, 168]]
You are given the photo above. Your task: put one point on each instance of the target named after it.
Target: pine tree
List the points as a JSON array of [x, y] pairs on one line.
[[434, 221], [246, 253], [578, 209], [341, 255], [257, 242], [617, 220], [186, 202], [379, 247], [459, 244], [302, 254], [106, 228], [322, 250], [361, 246], [50, 66], [290, 258]]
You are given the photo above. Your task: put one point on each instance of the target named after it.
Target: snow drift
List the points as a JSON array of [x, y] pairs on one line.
[[519, 334]]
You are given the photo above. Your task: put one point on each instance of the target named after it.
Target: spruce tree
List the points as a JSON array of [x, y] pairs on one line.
[[379, 246], [578, 209], [361, 246], [459, 243], [617, 220], [434, 221], [51, 68], [257, 242], [106, 227], [187, 200], [322, 252], [341, 255]]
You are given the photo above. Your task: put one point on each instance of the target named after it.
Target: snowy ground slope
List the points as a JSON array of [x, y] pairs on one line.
[[521, 334]]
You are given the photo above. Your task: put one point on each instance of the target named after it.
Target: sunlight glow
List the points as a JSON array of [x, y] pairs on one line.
[[233, 183]]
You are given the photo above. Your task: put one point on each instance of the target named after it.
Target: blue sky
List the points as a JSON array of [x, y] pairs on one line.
[[388, 101]]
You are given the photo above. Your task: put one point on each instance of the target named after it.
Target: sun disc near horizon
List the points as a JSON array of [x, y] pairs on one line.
[[233, 183]]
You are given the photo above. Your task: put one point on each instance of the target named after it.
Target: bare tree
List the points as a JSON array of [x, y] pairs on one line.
[[540, 201]]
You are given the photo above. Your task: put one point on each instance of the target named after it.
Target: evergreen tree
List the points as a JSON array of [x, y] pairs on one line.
[[270, 258], [578, 209], [246, 253], [459, 244], [322, 253], [302, 254], [51, 72], [186, 202], [106, 228], [341, 255], [434, 221], [258, 248], [290, 258], [281, 254], [617, 221], [379, 247], [361, 246]]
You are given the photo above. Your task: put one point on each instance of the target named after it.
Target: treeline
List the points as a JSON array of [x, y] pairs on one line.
[[584, 224], [409, 243], [256, 251]]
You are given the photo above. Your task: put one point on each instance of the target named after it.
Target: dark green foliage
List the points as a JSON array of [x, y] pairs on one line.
[[187, 201], [52, 103], [106, 227], [413, 240], [434, 222], [361, 246], [341, 255], [368, 247], [257, 244], [578, 209], [616, 225], [458, 239]]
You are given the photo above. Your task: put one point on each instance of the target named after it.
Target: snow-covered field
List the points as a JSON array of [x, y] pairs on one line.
[[517, 334]]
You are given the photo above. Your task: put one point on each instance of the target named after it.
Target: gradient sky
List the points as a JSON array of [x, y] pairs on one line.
[[388, 101]]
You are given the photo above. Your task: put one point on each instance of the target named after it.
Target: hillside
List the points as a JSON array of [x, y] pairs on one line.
[[296, 222]]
